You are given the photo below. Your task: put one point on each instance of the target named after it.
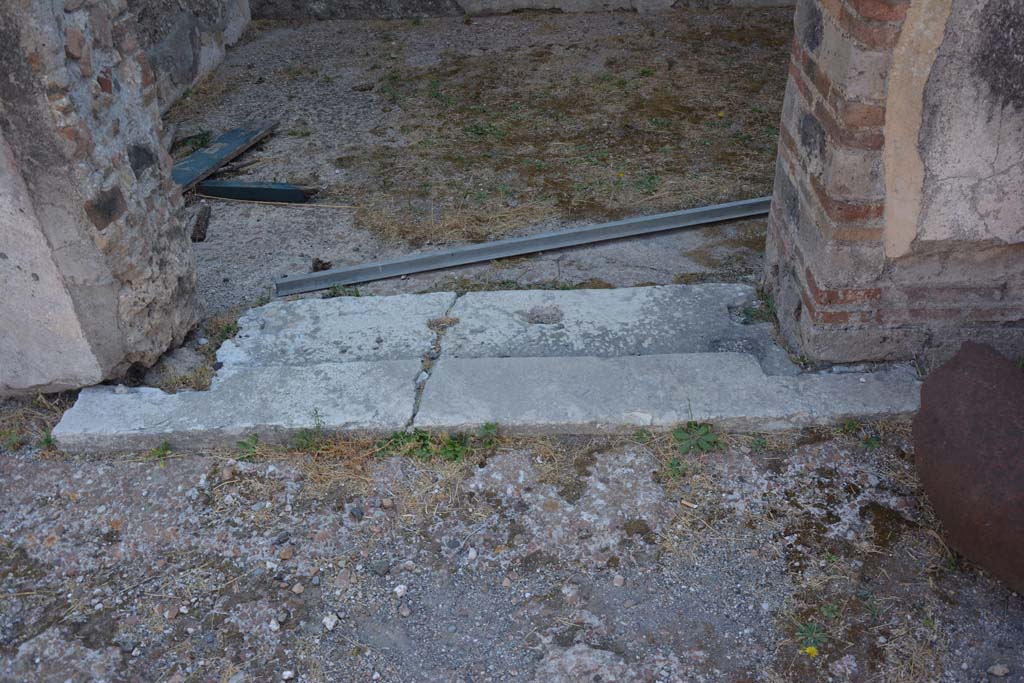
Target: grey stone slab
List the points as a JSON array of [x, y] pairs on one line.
[[598, 394], [272, 402], [336, 330], [611, 322]]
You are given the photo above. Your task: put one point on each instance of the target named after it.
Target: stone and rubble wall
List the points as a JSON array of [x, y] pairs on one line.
[[897, 226], [96, 268], [187, 39]]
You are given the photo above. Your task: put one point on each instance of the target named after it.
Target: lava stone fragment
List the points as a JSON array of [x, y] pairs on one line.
[[969, 450]]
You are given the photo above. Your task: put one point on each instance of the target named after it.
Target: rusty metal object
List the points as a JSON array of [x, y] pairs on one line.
[[969, 449]]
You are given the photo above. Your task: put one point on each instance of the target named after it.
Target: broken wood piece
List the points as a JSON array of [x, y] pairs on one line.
[[488, 251], [256, 192], [201, 223], [204, 162]]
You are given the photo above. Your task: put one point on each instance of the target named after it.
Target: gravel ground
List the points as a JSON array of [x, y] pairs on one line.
[[810, 557], [440, 131]]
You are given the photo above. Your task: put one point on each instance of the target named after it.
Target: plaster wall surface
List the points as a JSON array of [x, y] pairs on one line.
[[41, 333]]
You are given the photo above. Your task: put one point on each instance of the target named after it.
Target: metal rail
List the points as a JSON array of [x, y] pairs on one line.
[[488, 251]]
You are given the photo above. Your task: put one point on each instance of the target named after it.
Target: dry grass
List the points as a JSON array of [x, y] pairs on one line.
[[672, 117], [197, 380], [217, 329], [29, 421]]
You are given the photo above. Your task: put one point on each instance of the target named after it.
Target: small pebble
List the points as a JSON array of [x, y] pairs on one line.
[[287, 675], [404, 610], [999, 670], [330, 621], [387, 504], [409, 566], [619, 580], [275, 626], [286, 553], [401, 589], [298, 588], [357, 513], [471, 554], [506, 582], [380, 567]]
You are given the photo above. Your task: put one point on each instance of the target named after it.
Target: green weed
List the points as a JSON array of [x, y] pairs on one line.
[[811, 634], [699, 437], [642, 436], [648, 184], [160, 453], [247, 447], [11, 439], [487, 435], [761, 312], [341, 290], [47, 442], [310, 439]]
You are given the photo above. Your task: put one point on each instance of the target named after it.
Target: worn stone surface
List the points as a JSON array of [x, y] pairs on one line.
[[336, 330], [596, 394], [616, 322], [969, 448], [100, 266], [370, 363], [271, 402]]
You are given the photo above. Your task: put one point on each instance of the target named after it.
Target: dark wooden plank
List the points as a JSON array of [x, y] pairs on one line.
[[255, 192], [204, 162]]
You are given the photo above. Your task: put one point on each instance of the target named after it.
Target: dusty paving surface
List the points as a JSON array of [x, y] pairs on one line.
[[483, 559], [439, 131]]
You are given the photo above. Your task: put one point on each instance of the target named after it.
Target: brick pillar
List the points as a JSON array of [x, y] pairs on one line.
[[96, 268], [876, 250]]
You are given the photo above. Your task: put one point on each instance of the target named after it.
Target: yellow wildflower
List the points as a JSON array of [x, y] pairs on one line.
[[811, 651]]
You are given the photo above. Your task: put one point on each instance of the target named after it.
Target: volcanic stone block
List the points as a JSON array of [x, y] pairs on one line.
[[969, 445]]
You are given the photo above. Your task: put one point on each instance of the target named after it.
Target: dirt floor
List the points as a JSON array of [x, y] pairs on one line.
[[804, 557], [436, 131]]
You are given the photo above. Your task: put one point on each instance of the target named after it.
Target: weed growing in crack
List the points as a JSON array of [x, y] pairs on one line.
[[487, 435], [425, 446], [763, 311], [310, 439], [47, 441], [247, 447], [849, 427], [160, 453], [696, 437]]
